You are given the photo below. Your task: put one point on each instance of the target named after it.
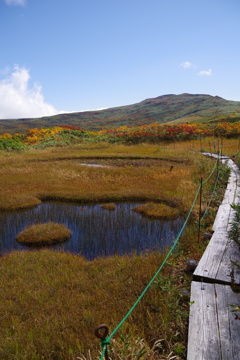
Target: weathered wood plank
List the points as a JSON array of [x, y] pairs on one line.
[[221, 221], [203, 333], [216, 262], [208, 267], [227, 270], [214, 330], [229, 325]]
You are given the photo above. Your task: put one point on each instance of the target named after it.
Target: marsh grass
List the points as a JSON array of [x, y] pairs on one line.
[[10, 201], [109, 206], [50, 302], [44, 234], [34, 176], [157, 211]]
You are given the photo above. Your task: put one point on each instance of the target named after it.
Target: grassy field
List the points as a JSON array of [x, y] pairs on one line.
[[142, 172], [50, 302]]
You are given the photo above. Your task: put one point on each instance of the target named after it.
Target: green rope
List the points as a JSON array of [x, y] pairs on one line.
[[208, 205], [154, 277], [108, 339], [213, 169]]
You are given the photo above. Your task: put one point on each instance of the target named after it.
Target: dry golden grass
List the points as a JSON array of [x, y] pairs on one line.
[[50, 302], [158, 211], [32, 176], [109, 206], [44, 234]]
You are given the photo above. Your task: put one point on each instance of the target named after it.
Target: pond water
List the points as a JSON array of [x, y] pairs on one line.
[[95, 231]]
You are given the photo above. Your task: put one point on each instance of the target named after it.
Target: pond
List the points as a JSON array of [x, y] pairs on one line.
[[95, 231]]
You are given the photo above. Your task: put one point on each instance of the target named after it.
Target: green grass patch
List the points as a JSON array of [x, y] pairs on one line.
[[44, 234]]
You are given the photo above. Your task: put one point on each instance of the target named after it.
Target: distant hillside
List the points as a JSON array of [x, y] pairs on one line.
[[162, 109]]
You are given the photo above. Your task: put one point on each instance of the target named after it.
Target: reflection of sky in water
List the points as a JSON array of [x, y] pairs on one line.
[[95, 231]]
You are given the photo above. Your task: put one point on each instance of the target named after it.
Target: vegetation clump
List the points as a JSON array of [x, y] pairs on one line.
[[44, 234], [157, 210], [18, 201], [109, 206]]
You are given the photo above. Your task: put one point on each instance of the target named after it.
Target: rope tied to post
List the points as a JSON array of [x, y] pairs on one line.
[[104, 340]]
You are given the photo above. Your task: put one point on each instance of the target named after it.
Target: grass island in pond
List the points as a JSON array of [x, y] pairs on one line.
[[157, 211], [109, 206], [44, 234]]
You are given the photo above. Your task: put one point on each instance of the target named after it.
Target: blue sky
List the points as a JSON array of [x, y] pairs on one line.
[[74, 55]]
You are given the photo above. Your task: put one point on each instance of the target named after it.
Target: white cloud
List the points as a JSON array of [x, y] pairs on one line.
[[205, 72], [74, 111], [18, 100], [16, 2], [187, 65]]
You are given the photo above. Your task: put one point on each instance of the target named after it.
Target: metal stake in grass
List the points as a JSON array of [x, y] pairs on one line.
[[200, 210], [103, 338], [218, 165]]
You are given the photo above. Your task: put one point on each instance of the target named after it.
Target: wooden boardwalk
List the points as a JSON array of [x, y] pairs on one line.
[[214, 329]]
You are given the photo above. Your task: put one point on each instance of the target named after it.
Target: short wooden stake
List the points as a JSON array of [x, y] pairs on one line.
[[218, 165], [200, 210]]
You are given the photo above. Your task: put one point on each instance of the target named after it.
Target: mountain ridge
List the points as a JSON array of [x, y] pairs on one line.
[[168, 108]]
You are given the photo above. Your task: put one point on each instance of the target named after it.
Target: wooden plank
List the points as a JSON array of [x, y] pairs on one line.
[[213, 328], [223, 157], [216, 262], [229, 325], [227, 271], [211, 261], [222, 218], [203, 333]]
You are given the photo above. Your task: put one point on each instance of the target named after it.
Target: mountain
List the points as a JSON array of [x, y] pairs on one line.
[[163, 109]]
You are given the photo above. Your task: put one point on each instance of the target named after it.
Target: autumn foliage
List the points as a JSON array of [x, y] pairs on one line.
[[165, 132], [154, 133]]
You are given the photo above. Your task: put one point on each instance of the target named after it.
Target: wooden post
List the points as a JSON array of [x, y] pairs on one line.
[[200, 211], [218, 159], [214, 143], [210, 146]]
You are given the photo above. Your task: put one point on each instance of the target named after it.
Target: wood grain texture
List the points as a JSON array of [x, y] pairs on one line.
[[216, 264], [214, 330]]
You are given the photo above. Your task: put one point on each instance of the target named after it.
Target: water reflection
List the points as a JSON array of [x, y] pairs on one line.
[[95, 231]]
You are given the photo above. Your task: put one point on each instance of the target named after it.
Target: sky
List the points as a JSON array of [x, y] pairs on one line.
[[75, 55]]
